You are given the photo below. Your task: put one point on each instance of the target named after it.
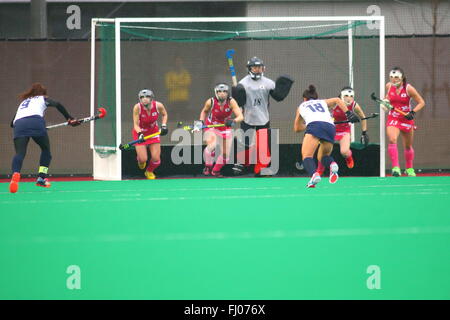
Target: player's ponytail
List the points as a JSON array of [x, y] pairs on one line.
[[310, 93], [36, 89]]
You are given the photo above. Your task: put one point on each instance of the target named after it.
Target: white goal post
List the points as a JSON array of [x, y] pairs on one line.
[[110, 167]]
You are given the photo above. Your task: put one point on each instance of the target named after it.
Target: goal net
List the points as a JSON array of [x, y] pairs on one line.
[[181, 59]]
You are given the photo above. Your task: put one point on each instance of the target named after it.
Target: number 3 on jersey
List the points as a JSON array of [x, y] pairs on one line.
[[315, 107]]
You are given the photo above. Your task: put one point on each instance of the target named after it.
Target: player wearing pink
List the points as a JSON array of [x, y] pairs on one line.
[[399, 93], [145, 117], [343, 129], [218, 110]]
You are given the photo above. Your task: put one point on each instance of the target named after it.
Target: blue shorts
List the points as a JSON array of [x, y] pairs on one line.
[[33, 126], [322, 130]]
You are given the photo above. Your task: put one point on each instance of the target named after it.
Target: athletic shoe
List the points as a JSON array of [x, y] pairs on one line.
[[14, 185], [410, 172], [334, 168], [238, 169], [207, 170], [142, 165], [216, 174], [150, 175], [350, 162], [41, 182], [315, 179], [396, 172]]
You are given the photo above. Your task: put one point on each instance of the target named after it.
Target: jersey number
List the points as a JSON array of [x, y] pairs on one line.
[[257, 102], [25, 104], [316, 107]]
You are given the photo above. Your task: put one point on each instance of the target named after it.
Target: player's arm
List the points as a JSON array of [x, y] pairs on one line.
[[70, 120], [163, 112], [136, 126], [237, 114], [351, 116], [412, 92], [52, 103], [360, 113], [299, 123], [388, 87], [206, 108]]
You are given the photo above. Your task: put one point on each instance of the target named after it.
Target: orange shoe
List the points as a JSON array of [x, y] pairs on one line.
[[14, 184], [350, 162]]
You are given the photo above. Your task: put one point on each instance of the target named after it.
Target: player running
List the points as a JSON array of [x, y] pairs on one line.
[[145, 117], [343, 129], [29, 123], [314, 116], [399, 94], [218, 110]]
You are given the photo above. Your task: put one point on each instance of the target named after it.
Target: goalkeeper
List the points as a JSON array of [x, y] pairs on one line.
[[252, 94]]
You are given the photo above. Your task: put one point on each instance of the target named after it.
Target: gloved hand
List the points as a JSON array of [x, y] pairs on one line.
[[410, 115], [140, 135], [386, 105], [73, 122], [230, 123], [351, 116], [364, 138], [198, 126], [164, 130]]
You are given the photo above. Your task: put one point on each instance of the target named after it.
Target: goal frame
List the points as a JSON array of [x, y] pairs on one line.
[[110, 168]]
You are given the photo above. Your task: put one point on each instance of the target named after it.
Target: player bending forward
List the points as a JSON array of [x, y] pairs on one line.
[[314, 116]]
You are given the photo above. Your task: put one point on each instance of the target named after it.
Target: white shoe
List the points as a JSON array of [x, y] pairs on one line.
[[334, 168], [315, 179]]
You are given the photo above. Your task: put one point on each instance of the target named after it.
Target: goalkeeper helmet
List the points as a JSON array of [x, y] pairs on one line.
[[347, 92], [255, 62], [146, 93], [221, 87]]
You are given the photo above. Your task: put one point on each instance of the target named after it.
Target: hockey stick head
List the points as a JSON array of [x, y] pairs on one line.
[[124, 146], [101, 112], [374, 97], [229, 54], [179, 124]]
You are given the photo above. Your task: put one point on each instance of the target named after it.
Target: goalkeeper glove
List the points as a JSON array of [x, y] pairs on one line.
[[364, 138], [229, 123], [410, 115], [164, 130], [351, 116]]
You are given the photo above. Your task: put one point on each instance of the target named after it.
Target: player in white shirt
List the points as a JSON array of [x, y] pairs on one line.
[[29, 123], [314, 116]]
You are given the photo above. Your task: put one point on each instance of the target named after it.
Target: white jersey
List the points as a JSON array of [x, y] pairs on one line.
[[34, 106], [315, 110]]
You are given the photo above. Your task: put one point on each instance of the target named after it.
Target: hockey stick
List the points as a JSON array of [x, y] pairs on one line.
[[101, 114], [132, 143], [229, 54], [373, 115], [189, 127], [386, 104]]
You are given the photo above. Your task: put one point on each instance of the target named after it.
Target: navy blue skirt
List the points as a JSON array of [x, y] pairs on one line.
[[322, 130], [33, 126]]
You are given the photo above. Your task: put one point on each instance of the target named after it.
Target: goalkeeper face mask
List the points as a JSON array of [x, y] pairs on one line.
[[396, 77], [348, 95]]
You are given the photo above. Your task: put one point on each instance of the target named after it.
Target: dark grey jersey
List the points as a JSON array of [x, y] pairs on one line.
[[256, 109]]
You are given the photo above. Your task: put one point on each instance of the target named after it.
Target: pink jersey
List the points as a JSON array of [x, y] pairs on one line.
[[148, 123], [219, 114], [400, 101], [339, 115]]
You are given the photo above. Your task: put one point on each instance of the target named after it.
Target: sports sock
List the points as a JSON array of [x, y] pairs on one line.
[[327, 160], [153, 165], [310, 165], [209, 158], [393, 154], [409, 157], [220, 163], [43, 172]]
